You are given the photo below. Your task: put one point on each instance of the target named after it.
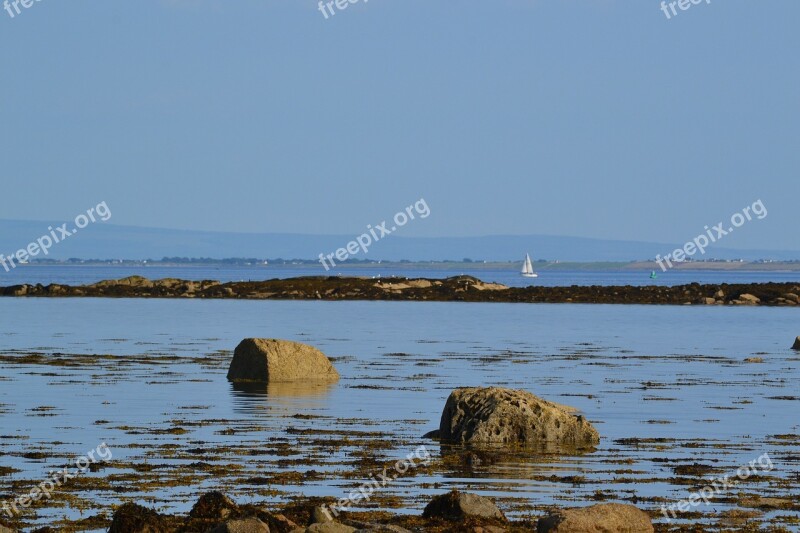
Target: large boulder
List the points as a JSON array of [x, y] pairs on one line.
[[796, 344], [456, 506], [265, 360], [132, 518], [492, 415], [602, 518]]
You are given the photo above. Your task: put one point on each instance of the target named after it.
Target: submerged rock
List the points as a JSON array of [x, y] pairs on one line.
[[132, 518], [265, 360], [456, 506], [619, 518], [756, 501], [492, 415]]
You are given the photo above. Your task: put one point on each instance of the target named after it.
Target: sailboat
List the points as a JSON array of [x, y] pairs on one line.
[[653, 275], [527, 268]]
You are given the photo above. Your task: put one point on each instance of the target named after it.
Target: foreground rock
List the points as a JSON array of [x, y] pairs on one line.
[[457, 506], [265, 360], [492, 415], [330, 527], [451, 512], [213, 506], [248, 525], [609, 517], [382, 528], [132, 518], [796, 344], [320, 515]]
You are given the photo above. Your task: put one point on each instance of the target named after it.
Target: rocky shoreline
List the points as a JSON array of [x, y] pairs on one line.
[[452, 512], [454, 289]]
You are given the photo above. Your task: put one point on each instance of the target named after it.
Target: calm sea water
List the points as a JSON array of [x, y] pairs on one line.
[[79, 275], [647, 372]]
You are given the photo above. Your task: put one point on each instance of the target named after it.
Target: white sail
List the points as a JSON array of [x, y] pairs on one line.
[[527, 268]]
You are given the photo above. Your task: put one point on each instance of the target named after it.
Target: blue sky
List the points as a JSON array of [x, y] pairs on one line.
[[596, 118]]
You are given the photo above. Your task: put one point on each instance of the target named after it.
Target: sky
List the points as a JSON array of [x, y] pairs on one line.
[[591, 118]]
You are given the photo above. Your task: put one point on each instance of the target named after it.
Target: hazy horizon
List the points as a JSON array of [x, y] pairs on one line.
[[106, 241]]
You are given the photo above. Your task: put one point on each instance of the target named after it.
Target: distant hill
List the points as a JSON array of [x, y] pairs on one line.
[[109, 241]]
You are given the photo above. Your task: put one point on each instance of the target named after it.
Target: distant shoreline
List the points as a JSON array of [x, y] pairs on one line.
[[593, 266], [452, 289]]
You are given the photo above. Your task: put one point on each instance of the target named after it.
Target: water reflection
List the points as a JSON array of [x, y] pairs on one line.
[[288, 396], [512, 463]]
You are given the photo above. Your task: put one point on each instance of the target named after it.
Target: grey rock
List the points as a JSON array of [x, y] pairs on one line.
[[492, 415], [456, 506]]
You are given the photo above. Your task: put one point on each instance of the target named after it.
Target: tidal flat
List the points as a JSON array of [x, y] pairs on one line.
[[680, 395]]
